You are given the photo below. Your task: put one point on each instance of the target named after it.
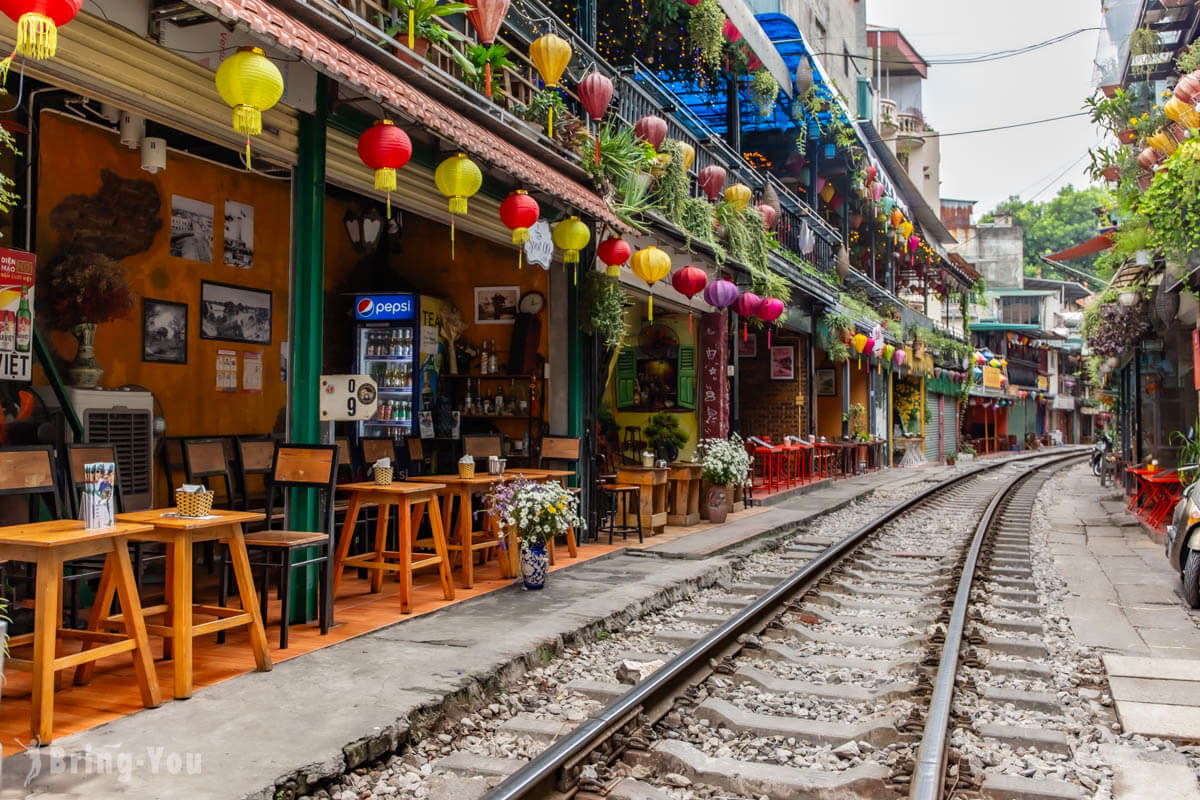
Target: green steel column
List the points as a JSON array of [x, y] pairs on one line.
[[308, 314], [575, 386]]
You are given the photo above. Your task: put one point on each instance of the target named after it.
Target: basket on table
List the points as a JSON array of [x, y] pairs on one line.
[[193, 504], [383, 476], [466, 471]]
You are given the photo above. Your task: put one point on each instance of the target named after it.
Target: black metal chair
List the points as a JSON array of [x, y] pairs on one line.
[[295, 466]]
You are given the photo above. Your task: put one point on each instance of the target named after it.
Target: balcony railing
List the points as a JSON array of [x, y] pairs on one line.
[[637, 93]]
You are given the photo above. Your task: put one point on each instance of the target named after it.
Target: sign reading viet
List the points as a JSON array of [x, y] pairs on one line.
[[540, 247], [16, 315]]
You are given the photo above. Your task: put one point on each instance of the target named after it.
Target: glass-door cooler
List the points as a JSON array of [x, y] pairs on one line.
[[385, 339]]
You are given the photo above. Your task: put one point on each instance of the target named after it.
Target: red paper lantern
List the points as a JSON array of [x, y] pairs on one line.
[[614, 251], [651, 129], [38, 22], [519, 212], [768, 214], [385, 148], [747, 306], [769, 310], [487, 16], [712, 181], [595, 93], [689, 282]]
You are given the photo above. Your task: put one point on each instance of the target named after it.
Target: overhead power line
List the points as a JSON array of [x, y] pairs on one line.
[[953, 59]]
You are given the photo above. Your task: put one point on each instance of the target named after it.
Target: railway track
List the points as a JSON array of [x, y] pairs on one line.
[[828, 669]]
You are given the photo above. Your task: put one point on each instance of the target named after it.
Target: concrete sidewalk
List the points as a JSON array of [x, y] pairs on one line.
[[319, 714]]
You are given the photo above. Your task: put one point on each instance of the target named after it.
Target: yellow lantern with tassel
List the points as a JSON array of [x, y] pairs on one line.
[[738, 196], [251, 84], [458, 178], [651, 265], [550, 54], [689, 155], [572, 235], [38, 22], [827, 192]]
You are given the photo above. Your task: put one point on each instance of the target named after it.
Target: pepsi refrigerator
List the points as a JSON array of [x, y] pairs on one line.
[[387, 344]]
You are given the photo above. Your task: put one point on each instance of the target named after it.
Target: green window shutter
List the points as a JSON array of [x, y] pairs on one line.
[[686, 377], [626, 376]]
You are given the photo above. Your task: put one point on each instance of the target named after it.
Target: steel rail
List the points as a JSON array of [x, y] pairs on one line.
[[539, 778], [929, 772]]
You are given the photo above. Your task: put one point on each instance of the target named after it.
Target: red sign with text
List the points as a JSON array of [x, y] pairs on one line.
[[1196, 359], [16, 314], [714, 387]]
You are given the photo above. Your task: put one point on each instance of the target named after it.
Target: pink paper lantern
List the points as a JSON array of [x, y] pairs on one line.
[[769, 310], [876, 191], [899, 355], [768, 214], [712, 181], [747, 306]]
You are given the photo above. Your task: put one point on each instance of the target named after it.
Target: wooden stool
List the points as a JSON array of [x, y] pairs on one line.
[[624, 492], [633, 442]]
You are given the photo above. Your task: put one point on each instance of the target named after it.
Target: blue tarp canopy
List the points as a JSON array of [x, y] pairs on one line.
[[706, 104]]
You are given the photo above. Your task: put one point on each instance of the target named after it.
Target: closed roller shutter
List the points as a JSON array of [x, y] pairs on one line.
[[933, 424], [106, 63]]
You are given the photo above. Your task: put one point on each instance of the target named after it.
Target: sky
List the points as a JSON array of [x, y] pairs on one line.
[[1033, 161]]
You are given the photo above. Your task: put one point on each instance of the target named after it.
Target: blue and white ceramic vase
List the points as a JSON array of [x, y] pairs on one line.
[[535, 562]]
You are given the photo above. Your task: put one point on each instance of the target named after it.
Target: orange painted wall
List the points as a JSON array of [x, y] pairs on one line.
[[829, 409], [71, 156]]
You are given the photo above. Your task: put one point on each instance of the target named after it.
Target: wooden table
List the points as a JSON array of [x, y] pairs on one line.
[[48, 545], [465, 539], [653, 484], [411, 499], [684, 506], [179, 534]]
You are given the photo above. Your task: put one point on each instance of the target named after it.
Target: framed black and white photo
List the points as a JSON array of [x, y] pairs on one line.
[[496, 305], [191, 229], [238, 240], [826, 383], [164, 331], [234, 313], [783, 363]]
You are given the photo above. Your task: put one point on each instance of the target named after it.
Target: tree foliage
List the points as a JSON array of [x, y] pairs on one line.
[[1064, 221]]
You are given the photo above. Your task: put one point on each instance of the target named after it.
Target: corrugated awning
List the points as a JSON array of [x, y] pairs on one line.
[[1097, 244], [350, 68]]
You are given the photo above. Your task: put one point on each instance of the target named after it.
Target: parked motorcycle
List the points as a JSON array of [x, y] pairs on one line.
[[1183, 540], [1101, 448]]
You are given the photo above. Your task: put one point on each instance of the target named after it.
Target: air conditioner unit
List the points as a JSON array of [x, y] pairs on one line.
[[124, 419]]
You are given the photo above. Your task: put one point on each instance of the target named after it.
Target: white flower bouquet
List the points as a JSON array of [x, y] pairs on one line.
[[725, 461], [536, 511]]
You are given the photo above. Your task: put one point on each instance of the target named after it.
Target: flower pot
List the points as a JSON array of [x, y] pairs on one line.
[[535, 563], [414, 57], [717, 504], [85, 371], [1112, 172], [1126, 136]]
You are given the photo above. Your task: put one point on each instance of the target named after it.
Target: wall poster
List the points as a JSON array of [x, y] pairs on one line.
[[237, 243], [16, 314], [252, 371], [191, 229], [227, 370]]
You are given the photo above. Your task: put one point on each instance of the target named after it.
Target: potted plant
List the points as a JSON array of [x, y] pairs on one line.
[[536, 512], [664, 435], [483, 56], [725, 467], [425, 31], [602, 309], [82, 291]]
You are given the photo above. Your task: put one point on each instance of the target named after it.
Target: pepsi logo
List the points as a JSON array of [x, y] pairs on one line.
[[364, 305]]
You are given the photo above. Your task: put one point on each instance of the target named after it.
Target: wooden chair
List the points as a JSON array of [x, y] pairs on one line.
[[373, 448], [416, 455], [633, 443], [171, 457], [296, 466], [564, 450], [205, 459], [253, 455], [482, 446]]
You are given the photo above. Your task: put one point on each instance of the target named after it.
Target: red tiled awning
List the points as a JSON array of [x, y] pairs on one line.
[[352, 69], [1092, 246]]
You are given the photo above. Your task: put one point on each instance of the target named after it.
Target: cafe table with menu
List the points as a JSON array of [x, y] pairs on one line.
[[49, 545], [412, 501], [179, 627]]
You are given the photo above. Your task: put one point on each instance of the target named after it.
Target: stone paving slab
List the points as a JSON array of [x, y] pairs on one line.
[[1176, 669], [1160, 719], [1142, 775], [1154, 690]]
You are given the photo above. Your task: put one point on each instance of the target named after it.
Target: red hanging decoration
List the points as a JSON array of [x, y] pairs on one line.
[[712, 181], [768, 214], [689, 282], [651, 129], [747, 306], [613, 252], [487, 16], [769, 310], [595, 93], [385, 148], [519, 212], [38, 22]]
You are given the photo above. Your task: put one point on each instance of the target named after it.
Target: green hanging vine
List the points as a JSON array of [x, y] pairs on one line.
[[673, 183], [705, 32], [765, 91]]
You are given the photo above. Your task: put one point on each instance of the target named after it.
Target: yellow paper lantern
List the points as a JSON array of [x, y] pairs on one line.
[[1161, 142], [906, 229], [651, 265], [571, 235], [860, 342], [827, 192], [458, 178], [550, 54], [738, 196], [251, 84], [1182, 112], [689, 155]]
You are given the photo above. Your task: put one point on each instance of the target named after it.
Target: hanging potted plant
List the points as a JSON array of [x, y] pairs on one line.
[[425, 29], [725, 468], [536, 512], [765, 90], [491, 58], [82, 291], [664, 436], [706, 26]]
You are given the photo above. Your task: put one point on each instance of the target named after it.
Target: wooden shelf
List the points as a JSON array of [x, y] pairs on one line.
[[490, 377]]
